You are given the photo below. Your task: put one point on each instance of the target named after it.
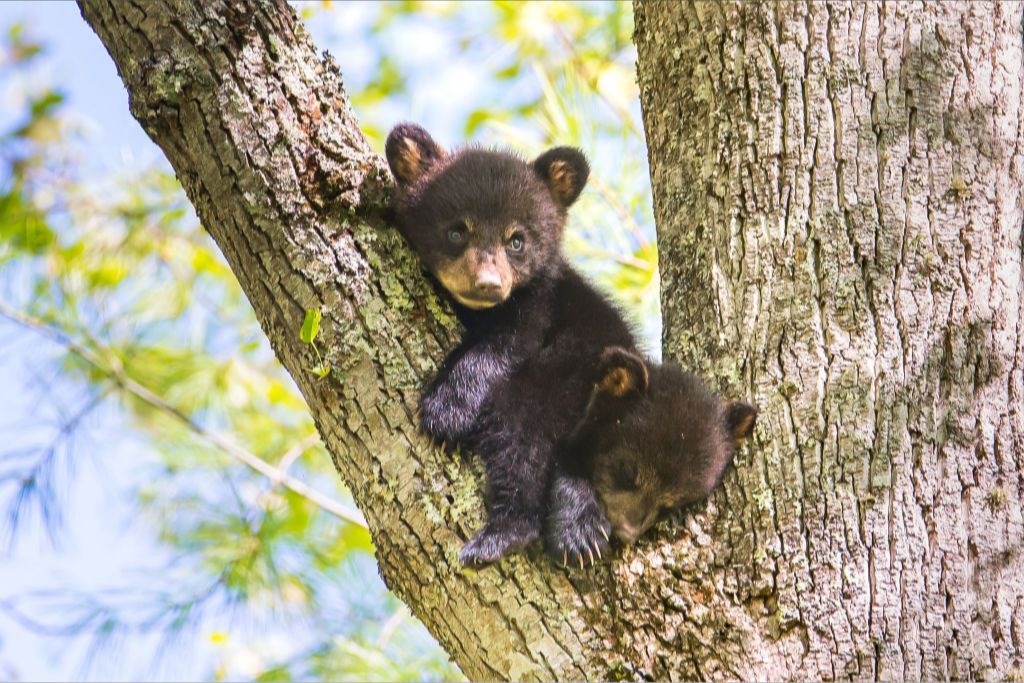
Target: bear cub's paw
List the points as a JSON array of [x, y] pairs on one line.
[[581, 544], [443, 417], [495, 541], [578, 531]]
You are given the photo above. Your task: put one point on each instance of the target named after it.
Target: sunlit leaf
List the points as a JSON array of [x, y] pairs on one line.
[[22, 226], [310, 325]]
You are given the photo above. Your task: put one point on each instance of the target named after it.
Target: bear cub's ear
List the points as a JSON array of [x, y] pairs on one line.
[[564, 170], [739, 420], [411, 151], [621, 374]]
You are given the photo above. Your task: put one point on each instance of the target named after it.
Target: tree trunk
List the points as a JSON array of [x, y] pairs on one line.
[[838, 199]]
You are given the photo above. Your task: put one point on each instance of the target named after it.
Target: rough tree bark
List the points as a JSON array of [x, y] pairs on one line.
[[838, 199], [854, 266]]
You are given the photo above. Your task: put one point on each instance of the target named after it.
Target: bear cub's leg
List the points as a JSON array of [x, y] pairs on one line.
[[517, 472], [450, 407]]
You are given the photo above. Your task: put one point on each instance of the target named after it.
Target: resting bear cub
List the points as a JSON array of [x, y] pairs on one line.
[[653, 438], [488, 225]]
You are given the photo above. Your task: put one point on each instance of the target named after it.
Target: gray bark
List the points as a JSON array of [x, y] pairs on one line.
[[838, 199]]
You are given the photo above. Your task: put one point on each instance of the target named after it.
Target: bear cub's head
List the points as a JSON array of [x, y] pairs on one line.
[[654, 438], [484, 222]]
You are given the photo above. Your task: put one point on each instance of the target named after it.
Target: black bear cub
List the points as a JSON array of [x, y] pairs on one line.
[[488, 225], [653, 438]]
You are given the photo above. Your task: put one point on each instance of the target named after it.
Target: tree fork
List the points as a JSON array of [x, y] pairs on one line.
[[834, 244]]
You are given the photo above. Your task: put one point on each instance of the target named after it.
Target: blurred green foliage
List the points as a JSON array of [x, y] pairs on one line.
[[117, 271]]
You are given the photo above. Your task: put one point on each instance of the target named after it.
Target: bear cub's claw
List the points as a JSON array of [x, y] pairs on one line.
[[578, 531], [581, 543]]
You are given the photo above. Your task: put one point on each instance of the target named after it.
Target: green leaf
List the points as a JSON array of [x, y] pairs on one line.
[[476, 119], [46, 103], [310, 326], [509, 72], [276, 673], [23, 227]]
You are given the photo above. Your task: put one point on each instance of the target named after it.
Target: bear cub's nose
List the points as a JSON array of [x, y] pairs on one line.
[[488, 282]]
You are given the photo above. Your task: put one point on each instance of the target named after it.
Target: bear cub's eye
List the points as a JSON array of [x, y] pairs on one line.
[[625, 478], [457, 233], [516, 242]]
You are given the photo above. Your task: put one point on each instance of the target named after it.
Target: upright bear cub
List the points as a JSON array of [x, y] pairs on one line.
[[488, 226]]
